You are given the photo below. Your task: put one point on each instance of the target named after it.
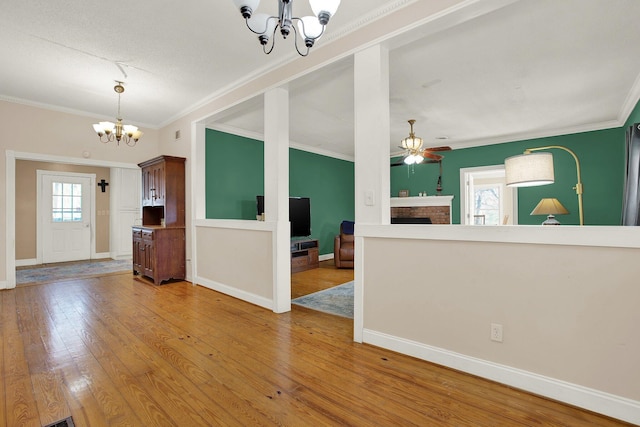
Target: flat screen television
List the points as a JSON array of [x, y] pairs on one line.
[[299, 214]]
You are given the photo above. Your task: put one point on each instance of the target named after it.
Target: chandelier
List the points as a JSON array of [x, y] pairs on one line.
[[310, 28], [412, 144], [108, 130]]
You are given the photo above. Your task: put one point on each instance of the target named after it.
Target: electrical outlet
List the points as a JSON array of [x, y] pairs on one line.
[[496, 332]]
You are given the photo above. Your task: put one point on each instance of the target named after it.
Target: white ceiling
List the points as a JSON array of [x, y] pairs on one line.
[[528, 68]]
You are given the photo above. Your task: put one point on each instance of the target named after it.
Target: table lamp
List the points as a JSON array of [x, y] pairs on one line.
[[550, 207]]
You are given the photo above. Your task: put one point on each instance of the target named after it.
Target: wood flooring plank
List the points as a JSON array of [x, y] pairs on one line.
[[116, 351]]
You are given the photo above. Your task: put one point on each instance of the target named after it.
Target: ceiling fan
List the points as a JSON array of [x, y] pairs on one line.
[[415, 154]]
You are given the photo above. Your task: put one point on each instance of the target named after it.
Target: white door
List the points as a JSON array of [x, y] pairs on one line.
[[65, 212]]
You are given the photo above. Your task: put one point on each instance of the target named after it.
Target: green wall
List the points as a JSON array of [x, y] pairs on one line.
[[231, 187], [601, 155]]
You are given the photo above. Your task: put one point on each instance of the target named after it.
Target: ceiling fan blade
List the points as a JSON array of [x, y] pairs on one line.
[[432, 156], [442, 148]]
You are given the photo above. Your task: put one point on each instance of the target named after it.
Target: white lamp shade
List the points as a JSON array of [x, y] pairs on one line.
[[98, 128], [528, 170], [108, 126], [312, 29], [261, 24], [130, 129], [253, 4], [329, 6]]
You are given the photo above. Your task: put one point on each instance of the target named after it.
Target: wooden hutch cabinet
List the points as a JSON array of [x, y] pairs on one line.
[[159, 243]]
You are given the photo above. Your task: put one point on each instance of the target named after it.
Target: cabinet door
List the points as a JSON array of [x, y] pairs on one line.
[[138, 251], [147, 185], [158, 184], [148, 251]]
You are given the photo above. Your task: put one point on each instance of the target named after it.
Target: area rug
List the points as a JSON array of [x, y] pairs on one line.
[[337, 300], [69, 271]]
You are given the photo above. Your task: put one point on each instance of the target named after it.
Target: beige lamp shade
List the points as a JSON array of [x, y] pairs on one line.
[[528, 170], [549, 207]]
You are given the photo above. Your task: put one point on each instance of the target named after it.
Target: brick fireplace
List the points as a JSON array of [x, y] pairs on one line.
[[436, 208]]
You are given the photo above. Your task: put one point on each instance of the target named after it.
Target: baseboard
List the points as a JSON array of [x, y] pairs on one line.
[[102, 255], [26, 262], [235, 292], [593, 400], [3, 284], [325, 257], [120, 256]]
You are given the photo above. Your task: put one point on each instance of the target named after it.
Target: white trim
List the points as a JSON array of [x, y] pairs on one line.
[[37, 157], [574, 235], [10, 225], [26, 262], [325, 257], [573, 394], [3, 284], [235, 292], [105, 255]]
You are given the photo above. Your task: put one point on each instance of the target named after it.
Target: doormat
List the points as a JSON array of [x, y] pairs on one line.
[[69, 271], [337, 300], [67, 422]]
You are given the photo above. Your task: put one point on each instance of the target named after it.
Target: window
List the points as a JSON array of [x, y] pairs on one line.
[[66, 202], [487, 204]]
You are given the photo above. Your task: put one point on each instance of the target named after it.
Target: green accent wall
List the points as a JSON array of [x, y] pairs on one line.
[[232, 187], [601, 155]]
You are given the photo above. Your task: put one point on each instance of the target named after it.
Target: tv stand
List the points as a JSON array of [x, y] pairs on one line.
[[304, 255]]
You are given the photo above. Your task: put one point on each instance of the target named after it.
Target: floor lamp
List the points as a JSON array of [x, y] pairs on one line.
[[528, 169]]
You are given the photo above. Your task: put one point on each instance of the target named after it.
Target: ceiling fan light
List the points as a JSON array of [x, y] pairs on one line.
[[412, 143], [418, 159], [410, 159]]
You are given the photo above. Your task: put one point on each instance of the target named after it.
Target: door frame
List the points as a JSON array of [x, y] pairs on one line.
[[10, 198], [92, 206], [466, 173]]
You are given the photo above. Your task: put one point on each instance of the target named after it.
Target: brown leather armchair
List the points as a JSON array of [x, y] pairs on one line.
[[343, 248]]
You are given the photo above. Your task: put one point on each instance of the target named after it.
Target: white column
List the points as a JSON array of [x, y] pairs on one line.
[[372, 133], [198, 188], [276, 192]]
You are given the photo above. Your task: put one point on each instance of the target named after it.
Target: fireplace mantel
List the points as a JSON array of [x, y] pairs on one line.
[[409, 202]]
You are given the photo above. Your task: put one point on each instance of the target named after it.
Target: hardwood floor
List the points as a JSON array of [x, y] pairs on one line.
[[318, 279], [119, 351]]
